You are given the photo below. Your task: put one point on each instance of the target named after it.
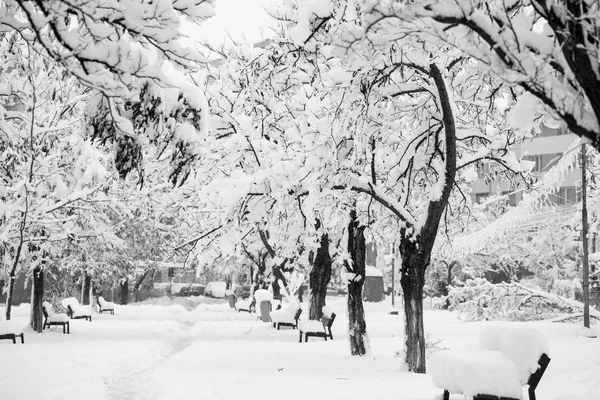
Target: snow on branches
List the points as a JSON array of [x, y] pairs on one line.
[[126, 52], [548, 48], [171, 119], [107, 45], [479, 300]]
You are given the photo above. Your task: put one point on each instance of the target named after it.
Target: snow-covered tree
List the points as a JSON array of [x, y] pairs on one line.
[[548, 48], [48, 170], [128, 53], [396, 120]]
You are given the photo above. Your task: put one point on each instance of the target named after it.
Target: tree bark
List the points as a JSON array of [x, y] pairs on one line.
[[277, 276], [139, 282], [9, 295], [86, 289], [319, 278], [124, 291], [412, 280], [12, 278], [277, 269], [37, 299], [359, 343], [416, 249]]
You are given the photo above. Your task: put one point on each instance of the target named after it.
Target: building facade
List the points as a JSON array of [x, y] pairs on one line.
[[545, 150]]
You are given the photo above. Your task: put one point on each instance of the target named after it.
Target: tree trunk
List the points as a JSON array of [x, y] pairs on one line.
[[449, 277], [139, 282], [260, 277], [277, 275], [319, 278], [124, 291], [12, 277], [86, 289], [9, 295], [37, 298], [359, 343], [413, 281]]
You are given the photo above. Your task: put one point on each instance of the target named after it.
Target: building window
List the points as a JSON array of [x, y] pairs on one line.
[[550, 160], [482, 170], [547, 131], [538, 162], [543, 162], [565, 195], [512, 198], [481, 197]]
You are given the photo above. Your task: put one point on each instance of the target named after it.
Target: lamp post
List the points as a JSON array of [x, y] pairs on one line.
[[394, 311]]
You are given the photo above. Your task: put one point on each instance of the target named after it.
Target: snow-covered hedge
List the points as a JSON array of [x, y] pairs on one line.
[[481, 300]]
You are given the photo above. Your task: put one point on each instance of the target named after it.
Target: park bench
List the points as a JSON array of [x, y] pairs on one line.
[[105, 306], [51, 318], [317, 328], [75, 310], [508, 358], [242, 305], [11, 331], [286, 317]]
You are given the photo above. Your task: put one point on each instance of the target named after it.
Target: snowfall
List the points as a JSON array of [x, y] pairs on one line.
[[199, 348]]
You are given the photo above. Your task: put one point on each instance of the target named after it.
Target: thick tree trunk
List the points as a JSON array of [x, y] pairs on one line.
[[277, 276], [356, 320], [413, 281], [86, 289], [319, 278], [359, 343], [124, 291], [37, 299]]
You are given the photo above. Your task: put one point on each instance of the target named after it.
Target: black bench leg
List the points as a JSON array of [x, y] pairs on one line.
[[446, 395], [14, 339], [300, 336], [68, 329], [22, 338]]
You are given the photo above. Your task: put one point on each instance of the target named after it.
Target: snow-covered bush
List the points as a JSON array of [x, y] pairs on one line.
[[482, 300]]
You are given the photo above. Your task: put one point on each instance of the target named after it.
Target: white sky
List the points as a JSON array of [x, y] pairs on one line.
[[240, 18]]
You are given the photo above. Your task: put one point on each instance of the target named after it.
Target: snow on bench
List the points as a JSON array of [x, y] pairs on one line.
[[11, 330], [242, 305], [76, 310], [51, 318], [508, 357], [318, 328], [286, 316], [105, 306]]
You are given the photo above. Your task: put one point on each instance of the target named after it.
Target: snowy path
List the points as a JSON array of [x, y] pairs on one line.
[[129, 386], [209, 352]]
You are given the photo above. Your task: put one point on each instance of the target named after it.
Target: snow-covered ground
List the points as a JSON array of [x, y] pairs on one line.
[[197, 348]]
